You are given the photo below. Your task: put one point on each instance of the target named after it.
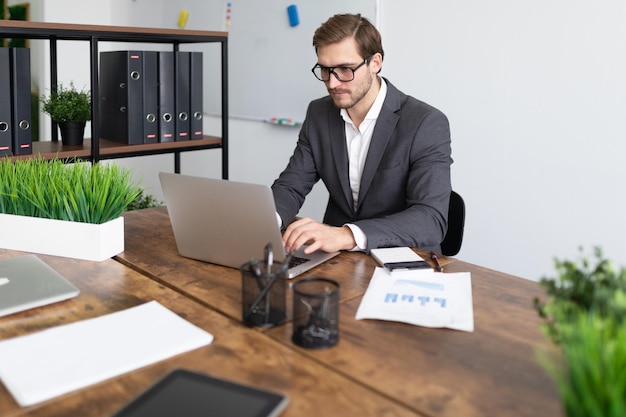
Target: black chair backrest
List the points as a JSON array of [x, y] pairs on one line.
[[451, 244]]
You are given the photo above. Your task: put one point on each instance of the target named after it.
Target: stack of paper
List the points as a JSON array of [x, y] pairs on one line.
[[423, 298], [52, 362]]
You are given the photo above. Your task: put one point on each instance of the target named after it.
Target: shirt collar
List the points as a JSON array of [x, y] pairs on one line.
[[377, 106]]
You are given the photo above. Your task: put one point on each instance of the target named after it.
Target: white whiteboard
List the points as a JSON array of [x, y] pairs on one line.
[[269, 61]]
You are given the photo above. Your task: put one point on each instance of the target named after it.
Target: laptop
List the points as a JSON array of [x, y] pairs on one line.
[[27, 282], [227, 222]]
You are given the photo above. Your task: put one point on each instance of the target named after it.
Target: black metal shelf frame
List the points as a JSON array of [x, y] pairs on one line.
[[96, 34]]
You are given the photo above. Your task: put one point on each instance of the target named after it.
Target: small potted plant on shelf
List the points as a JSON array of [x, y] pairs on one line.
[[71, 109]]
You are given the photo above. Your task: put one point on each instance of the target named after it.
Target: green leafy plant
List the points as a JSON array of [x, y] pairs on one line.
[[78, 192], [143, 201], [581, 286], [67, 104], [586, 318]]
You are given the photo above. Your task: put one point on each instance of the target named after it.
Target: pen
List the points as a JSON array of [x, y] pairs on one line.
[[438, 266]]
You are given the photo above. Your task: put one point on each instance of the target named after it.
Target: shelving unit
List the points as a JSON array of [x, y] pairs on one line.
[[98, 149]]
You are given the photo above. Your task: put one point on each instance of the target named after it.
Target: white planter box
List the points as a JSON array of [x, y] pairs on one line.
[[94, 242]]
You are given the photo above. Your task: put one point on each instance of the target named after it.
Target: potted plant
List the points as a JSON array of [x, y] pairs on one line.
[[586, 320], [144, 201], [71, 210], [71, 109]]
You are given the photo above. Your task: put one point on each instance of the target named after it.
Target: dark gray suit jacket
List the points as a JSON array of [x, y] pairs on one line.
[[405, 186]]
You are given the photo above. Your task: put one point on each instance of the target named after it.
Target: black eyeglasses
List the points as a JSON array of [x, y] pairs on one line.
[[343, 74]]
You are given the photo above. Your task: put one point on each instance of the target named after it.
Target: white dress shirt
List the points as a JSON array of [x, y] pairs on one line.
[[358, 143]]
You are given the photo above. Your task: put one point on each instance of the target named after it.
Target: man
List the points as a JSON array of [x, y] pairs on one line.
[[383, 156]]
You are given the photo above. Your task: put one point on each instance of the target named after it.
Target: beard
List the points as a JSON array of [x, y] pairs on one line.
[[346, 101]]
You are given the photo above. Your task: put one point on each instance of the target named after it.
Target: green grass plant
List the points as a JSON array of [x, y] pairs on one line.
[[79, 191], [591, 376]]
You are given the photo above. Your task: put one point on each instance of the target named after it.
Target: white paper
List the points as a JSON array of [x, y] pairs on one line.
[[52, 362], [423, 298]]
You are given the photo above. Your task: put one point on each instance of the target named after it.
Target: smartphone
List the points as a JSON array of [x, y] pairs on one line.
[[390, 266]]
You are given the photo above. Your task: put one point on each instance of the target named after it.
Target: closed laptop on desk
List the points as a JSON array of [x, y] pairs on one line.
[[227, 222], [27, 282]]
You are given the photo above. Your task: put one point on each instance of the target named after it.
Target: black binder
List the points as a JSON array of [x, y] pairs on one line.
[[20, 100], [150, 97], [167, 104], [182, 95], [121, 96], [195, 95], [6, 141]]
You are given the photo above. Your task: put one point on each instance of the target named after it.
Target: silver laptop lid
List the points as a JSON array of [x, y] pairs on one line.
[[222, 222], [27, 282]]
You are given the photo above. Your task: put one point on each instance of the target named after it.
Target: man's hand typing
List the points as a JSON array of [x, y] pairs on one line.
[[317, 236]]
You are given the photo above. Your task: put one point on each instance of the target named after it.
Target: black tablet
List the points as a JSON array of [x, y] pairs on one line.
[[190, 394]]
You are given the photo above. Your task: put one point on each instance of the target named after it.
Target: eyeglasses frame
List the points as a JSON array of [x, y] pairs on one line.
[[331, 70]]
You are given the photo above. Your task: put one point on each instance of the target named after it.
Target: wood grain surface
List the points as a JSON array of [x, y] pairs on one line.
[[379, 368], [238, 353]]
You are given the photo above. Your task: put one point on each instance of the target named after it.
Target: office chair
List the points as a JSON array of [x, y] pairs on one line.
[[451, 244]]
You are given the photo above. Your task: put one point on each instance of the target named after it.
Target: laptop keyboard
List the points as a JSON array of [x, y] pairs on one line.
[[296, 260]]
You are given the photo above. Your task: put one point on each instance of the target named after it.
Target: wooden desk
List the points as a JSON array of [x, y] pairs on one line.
[[435, 372], [151, 249], [237, 353], [443, 372]]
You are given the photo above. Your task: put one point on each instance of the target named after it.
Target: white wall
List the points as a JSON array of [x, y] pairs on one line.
[[535, 95]]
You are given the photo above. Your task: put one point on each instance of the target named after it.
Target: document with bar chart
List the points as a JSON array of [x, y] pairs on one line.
[[421, 298]]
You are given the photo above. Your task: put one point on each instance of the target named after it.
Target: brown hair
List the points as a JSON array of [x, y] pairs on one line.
[[342, 26]]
